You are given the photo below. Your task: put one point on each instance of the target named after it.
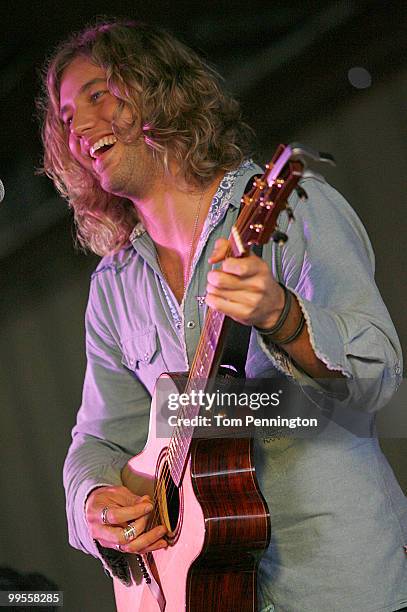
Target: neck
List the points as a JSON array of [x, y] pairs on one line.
[[171, 216]]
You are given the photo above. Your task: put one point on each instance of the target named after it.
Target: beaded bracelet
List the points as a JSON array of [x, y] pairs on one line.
[[283, 315]]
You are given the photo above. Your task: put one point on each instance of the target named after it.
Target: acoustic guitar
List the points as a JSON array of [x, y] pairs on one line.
[[205, 490]]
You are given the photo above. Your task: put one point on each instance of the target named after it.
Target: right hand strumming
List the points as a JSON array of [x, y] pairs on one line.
[[124, 509]]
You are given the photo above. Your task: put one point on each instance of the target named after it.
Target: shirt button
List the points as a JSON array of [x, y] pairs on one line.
[[397, 369], [146, 356], [191, 324]]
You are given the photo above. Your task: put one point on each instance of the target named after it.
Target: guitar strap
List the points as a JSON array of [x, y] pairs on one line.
[[234, 355], [237, 343]]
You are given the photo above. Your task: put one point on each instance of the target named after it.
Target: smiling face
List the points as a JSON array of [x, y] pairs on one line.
[[87, 109]]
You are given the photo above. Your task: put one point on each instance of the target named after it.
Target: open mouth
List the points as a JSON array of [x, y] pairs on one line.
[[102, 150], [102, 146]]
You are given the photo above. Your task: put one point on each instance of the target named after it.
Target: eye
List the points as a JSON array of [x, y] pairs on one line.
[[96, 95]]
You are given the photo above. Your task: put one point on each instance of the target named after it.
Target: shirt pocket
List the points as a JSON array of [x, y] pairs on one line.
[[141, 353]]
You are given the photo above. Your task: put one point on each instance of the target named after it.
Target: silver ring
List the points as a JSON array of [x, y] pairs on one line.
[[129, 533], [119, 547], [103, 516]]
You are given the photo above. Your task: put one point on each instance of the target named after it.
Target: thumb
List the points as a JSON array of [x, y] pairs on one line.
[[219, 252]]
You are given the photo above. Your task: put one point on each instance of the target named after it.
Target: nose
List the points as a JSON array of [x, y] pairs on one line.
[[81, 122]]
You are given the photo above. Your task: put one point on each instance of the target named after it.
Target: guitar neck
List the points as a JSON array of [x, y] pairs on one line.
[[204, 367], [256, 224]]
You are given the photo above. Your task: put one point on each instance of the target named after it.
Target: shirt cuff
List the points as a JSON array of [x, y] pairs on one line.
[[325, 336], [114, 562]]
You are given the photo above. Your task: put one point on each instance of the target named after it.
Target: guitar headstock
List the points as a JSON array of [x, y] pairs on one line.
[[268, 197]]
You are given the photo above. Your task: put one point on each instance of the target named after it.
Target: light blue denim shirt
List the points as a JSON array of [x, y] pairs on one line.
[[338, 516]]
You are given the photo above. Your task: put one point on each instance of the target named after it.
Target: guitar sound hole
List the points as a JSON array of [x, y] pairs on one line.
[[169, 499], [173, 504]]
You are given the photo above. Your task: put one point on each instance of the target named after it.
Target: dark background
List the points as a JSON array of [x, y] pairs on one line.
[[288, 63]]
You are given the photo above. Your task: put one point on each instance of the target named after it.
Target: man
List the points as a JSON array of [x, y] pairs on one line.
[[152, 157]]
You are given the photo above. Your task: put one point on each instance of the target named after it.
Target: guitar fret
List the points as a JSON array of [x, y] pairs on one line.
[[254, 225]]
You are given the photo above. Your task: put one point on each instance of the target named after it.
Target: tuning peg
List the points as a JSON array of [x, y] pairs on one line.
[[279, 237], [290, 213], [259, 183], [302, 194]]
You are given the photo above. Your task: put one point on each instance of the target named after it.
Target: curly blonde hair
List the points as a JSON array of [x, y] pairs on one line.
[[176, 103]]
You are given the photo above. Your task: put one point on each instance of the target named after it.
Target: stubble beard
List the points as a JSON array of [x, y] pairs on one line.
[[133, 175]]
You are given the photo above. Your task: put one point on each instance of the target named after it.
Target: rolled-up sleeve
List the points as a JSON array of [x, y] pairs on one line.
[[328, 262], [111, 424]]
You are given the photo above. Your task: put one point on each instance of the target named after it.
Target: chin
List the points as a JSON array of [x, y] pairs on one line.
[[114, 187], [109, 184]]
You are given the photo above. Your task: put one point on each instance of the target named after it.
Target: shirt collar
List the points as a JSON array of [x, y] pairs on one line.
[[229, 193]]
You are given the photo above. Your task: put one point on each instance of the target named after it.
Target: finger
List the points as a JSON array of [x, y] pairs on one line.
[[218, 279], [148, 539], [125, 497], [116, 535], [244, 267], [119, 496], [245, 298], [111, 496], [131, 499], [222, 280], [129, 549], [219, 251], [240, 312], [236, 310], [117, 515], [156, 546], [110, 536]]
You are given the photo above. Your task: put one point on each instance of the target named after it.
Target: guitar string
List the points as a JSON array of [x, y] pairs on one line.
[[164, 482], [166, 473], [211, 315], [172, 460], [211, 323]]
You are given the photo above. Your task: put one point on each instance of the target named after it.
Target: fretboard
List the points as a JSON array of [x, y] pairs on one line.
[[203, 368]]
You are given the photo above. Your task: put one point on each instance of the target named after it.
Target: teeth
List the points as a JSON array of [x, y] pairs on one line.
[[106, 140]]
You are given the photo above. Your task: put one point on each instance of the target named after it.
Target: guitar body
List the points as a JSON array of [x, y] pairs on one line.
[[219, 528]]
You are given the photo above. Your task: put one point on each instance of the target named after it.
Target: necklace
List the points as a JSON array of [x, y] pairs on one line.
[[191, 246], [187, 270]]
